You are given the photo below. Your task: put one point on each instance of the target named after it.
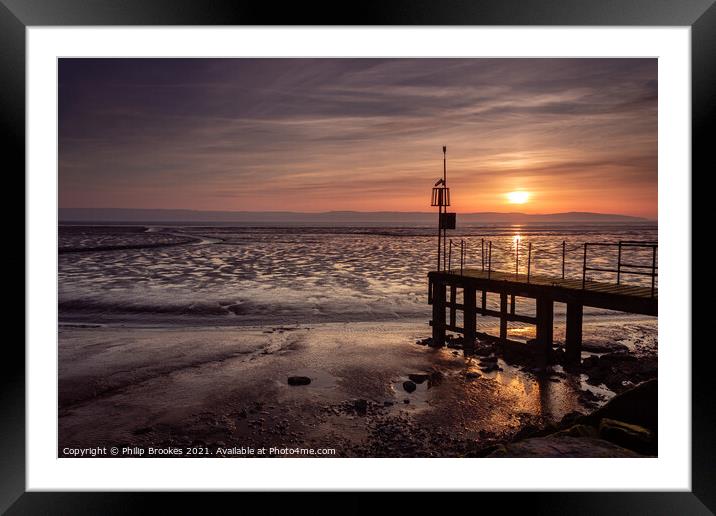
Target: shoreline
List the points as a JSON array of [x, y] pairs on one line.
[[227, 387]]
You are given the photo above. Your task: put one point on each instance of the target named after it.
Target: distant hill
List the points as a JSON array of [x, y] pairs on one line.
[[382, 218]]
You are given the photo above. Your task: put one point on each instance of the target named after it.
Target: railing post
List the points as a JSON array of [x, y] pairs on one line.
[[517, 260], [619, 263], [529, 260], [584, 267], [449, 256], [462, 255], [489, 260], [482, 253], [564, 252]]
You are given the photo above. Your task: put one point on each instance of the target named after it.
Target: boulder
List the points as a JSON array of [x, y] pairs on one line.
[[637, 406], [299, 380], [633, 437]]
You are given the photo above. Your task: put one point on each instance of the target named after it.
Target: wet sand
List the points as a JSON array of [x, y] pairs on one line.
[[226, 388]]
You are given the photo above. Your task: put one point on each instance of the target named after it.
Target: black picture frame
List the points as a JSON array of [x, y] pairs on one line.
[[700, 15]]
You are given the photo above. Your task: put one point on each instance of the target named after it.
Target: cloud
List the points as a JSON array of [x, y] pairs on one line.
[[352, 133]]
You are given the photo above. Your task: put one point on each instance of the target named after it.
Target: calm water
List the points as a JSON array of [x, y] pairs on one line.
[[189, 275]]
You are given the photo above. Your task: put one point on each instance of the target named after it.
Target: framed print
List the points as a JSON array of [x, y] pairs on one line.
[[292, 251]]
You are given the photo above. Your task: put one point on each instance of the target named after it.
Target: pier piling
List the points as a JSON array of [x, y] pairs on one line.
[[573, 339]]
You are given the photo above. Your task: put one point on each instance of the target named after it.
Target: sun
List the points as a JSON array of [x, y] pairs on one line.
[[518, 197]]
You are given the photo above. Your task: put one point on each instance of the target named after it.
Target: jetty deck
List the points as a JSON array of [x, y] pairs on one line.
[[456, 290]]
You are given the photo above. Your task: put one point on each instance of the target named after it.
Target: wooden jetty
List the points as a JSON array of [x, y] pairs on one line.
[[455, 290], [448, 285]]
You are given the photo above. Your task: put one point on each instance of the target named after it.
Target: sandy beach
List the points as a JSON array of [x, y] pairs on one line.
[[219, 388]]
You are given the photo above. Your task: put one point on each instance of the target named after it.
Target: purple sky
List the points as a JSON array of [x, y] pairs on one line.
[[358, 134]]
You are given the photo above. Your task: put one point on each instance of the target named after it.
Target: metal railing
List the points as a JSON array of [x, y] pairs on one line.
[[622, 268]]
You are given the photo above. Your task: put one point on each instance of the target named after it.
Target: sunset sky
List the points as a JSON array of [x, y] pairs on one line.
[[529, 135]]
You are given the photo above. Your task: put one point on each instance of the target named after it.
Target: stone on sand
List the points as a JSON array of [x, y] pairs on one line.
[[409, 386]]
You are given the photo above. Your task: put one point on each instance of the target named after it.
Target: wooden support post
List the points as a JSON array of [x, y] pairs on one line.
[[545, 330], [512, 304], [574, 333], [503, 317], [469, 317], [439, 291], [484, 300], [453, 300]]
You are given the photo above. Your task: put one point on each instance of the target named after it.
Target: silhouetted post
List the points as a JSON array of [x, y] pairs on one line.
[[512, 304], [584, 267], [489, 260], [517, 260], [545, 319], [470, 317], [484, 301], [440, 237], [445, 185], [619, 263], [574, 333], [529, 262], [438, 314], [449, 266], [462, 255], [482, 253], [564, 252], [503, 317]]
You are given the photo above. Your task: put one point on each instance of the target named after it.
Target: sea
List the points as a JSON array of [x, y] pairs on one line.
[[225, 275]]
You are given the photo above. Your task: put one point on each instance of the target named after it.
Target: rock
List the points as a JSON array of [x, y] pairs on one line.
[[633, 437], [590, 362], [419, 377], [299, 380], [563, 446], [570, 419], [387, 403], [638, 406], [578, 431], [603, 347], [360, 406], [499, 450], [589, 399], [472, 375], [406, 401], [435, 378], [409, 386]]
